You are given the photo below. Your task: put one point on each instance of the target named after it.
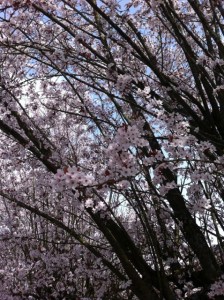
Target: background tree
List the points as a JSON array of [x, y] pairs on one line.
[[112, 138]]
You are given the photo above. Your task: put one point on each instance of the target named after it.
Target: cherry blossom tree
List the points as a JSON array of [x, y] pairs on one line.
[[112, 149]]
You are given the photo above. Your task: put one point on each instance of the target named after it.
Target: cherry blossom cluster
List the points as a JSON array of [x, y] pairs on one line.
[[121, 151], [217, 288], [73, 178], [122, 162]]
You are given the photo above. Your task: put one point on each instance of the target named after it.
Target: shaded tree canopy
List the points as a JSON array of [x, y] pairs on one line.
[[111, 149]]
